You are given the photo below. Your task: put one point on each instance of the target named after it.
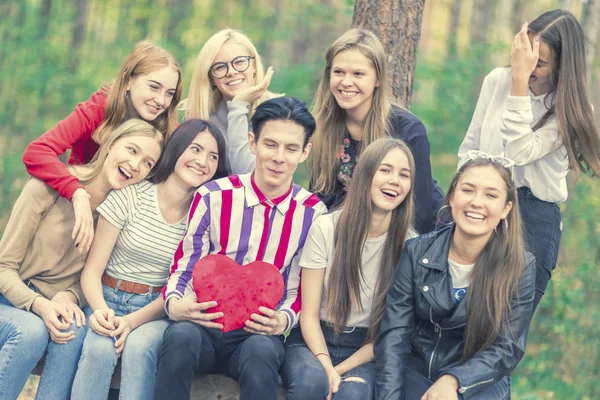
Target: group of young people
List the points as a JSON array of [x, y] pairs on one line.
[[392, 290]]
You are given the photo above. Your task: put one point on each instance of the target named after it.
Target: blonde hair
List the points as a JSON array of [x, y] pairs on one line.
[[331, 118], [144, 59], [133, 127], [203, 95]]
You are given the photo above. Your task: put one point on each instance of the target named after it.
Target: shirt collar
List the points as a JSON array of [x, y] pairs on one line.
[[254, 197]]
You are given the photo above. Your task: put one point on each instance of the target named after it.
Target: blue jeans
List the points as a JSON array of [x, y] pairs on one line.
[[305, 378], [190, 349], [23, 341], [415, 386], [541, 221], [139, 357]]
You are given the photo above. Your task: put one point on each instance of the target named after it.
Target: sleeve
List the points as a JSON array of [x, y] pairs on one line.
[[416, 138], [397, 326], [194, 245], [41, 156], [473, 135], [78, 293], [31, 206], [314, 253], [292, 298], [521, 143], [241, 160], [498, 360], [119, 206]]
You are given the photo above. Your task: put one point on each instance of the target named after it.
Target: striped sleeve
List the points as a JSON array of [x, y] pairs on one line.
[[292, 298], [119, 206], [194, 245]]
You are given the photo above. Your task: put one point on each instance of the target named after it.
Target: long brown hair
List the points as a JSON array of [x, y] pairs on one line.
[[497, 271], [331, 118], [570, 98], [144, 59], [344, 282]]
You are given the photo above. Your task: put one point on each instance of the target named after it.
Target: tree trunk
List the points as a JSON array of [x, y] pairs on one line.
[[44, 18], [78, 37], [397, 23], [591, 26], [453, 32], [480, 23], [179, 10]]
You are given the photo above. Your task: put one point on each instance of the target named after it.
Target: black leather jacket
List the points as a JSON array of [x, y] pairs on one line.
[[423, 327]]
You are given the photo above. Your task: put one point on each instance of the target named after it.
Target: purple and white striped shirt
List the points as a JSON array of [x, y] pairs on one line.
[[231, 216]]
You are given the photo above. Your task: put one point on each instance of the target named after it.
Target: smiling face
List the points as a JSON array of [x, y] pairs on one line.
[[353, 80], [130, 160], [199, 162], [391, 182], [279, 149], [151, 94], [234, 82], [539, 79], [479, 201]]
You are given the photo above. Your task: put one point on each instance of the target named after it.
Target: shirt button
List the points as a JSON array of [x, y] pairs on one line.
[[425, 261], [425, 288]]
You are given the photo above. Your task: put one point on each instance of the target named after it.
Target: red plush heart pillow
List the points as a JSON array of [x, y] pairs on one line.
[[238, 290]]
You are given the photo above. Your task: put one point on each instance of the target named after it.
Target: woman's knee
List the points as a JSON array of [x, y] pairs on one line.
[[354, 388], [98, 348], [260, 346]]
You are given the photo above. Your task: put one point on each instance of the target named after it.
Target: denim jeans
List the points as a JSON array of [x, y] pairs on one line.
[[305, 378], [23, 341], [188, 349], [541, 221], [138, 360], [415, 386]]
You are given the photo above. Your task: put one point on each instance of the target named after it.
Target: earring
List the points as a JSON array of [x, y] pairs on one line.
[[506, 223]]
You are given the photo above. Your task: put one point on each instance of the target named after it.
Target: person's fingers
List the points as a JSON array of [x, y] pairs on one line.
[[57, 332], [119, 330], [261, 319], [203, 306], [76, 228], [267, 311], [111, 317], [79, 316], [98, 328], [67, 318], [208, 324], [258, 327], [210, 316], [335, 385], [120, 343], [536, 47]]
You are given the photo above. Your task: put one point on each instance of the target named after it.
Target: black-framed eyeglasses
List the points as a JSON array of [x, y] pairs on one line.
[[221, 69]]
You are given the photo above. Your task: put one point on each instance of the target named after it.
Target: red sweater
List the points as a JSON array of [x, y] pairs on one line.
[[75, 133]]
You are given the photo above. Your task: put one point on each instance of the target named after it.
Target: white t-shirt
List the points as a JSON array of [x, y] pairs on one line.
[[318, 254], [461, 277], [145, 247]]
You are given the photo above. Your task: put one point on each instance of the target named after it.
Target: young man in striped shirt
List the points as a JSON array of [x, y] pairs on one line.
[[261, 216]]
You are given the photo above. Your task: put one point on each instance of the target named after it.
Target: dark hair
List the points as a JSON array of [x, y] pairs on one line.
[[284, 109], [571, 105], [180, 140]]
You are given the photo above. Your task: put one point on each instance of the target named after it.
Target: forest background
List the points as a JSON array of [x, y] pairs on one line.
[[55, 53]]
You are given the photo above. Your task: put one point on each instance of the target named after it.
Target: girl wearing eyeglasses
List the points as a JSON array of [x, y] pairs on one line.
[[458, 309], [148, 87], [353, 108], [228, 83], [544, 123]]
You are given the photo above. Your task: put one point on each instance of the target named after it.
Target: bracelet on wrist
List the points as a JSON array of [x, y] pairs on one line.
[[322, 354]]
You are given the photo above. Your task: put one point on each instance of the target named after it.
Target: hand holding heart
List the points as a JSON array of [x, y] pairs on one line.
[[189, 309], [246, 295]]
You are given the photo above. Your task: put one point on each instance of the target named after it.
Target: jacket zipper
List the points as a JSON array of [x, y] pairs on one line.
[[465, 388], [438, 330]]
